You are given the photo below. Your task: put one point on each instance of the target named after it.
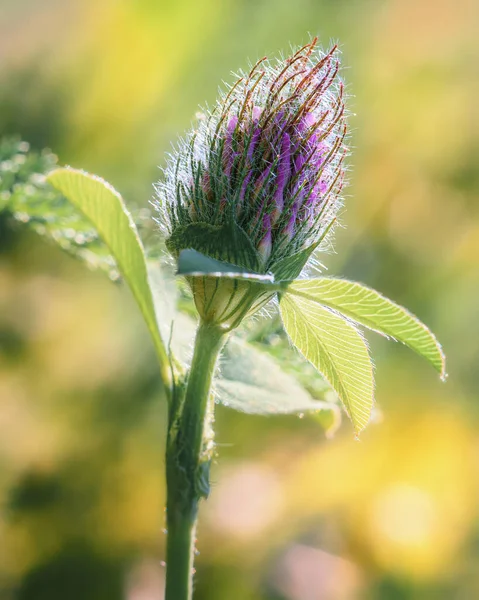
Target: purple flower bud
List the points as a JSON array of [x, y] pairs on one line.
[[267, 161]]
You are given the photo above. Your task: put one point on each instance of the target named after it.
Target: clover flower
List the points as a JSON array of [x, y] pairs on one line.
[[260, 178]]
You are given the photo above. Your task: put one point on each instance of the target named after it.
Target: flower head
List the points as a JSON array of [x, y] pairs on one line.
[[268, 157], [260, 178]]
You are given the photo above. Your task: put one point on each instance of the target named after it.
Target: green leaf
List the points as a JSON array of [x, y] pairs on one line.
[[252, 382], [369, 308], [195, 264], [30, 200], [104, 208], [336, 349]]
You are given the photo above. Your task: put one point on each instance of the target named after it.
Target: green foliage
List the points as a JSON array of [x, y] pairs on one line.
[[87, 217], [105, 209], [27, 197], [369, 308], [67, 198], [336, 349], [252, 382], [249, 380], [318, 340]]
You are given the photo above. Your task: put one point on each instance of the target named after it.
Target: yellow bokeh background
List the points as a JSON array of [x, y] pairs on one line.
[[108, 85]]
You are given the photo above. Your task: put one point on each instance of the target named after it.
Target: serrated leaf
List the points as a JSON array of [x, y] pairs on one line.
[[104, 208], [252, 382], [373, 310], [337, 349], [195, 264]]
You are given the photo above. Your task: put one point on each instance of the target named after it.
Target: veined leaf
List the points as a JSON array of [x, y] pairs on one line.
[[369, 308], [104, 208], [252, 382], [193, 263], [336, 348], [29, 199]]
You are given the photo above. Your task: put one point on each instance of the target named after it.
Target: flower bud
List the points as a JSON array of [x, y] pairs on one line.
[[260, 179]]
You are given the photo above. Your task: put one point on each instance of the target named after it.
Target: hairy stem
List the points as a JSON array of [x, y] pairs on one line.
[[188, 458]]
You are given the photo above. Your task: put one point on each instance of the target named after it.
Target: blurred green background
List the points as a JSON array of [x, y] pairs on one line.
[[108, 85]]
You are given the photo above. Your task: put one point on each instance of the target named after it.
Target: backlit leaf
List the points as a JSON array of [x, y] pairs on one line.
[[26, 196], [369, 308], [104, 208], [336, 349], [252, 382]]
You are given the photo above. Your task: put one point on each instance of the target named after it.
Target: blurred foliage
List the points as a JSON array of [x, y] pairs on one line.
[[108, 84], [28, 198]]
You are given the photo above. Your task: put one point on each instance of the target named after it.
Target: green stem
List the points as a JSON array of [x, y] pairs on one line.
[[188, 458]]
